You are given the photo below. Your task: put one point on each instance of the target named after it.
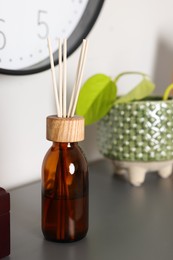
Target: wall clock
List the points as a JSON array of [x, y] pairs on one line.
[[25, 25]]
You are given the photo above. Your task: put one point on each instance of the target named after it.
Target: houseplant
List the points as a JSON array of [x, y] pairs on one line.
[[135, 131]]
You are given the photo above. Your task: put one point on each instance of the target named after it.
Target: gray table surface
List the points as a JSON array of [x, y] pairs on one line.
[[125, 222]]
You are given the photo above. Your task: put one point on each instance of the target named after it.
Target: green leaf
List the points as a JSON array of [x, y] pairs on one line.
[[142, 90], [96, 97]]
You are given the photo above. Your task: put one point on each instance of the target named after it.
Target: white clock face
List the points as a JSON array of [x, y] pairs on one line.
[[25, 26]]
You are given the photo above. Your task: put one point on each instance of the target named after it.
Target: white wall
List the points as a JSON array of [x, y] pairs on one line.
[[129, 35]]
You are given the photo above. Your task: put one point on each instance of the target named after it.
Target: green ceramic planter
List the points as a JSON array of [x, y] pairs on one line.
[[140, 131]]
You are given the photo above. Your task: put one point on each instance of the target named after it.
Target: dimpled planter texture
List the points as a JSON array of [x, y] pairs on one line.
[[138, 131]]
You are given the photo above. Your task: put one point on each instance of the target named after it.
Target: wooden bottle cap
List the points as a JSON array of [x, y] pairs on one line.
[[61, 129]]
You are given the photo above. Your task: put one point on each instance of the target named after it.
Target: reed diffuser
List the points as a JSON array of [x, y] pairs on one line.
[[64, 168]]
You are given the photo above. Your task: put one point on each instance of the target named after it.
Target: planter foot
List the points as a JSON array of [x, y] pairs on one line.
[[136, 175], [166, 171]]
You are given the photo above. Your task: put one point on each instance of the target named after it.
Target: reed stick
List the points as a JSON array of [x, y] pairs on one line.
[[53, 77], [64, 76], [76, 79], [80, 75], [60, 75], [61, 93]]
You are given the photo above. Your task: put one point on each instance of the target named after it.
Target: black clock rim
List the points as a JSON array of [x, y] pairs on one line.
[[82, 30]]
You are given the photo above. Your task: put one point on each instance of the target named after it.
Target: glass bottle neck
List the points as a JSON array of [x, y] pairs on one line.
[[65, 145]]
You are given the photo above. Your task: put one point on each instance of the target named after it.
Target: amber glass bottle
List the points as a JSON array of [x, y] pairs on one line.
[[65, 182]]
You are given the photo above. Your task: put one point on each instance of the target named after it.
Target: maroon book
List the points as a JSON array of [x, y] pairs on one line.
[[4, 223]]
